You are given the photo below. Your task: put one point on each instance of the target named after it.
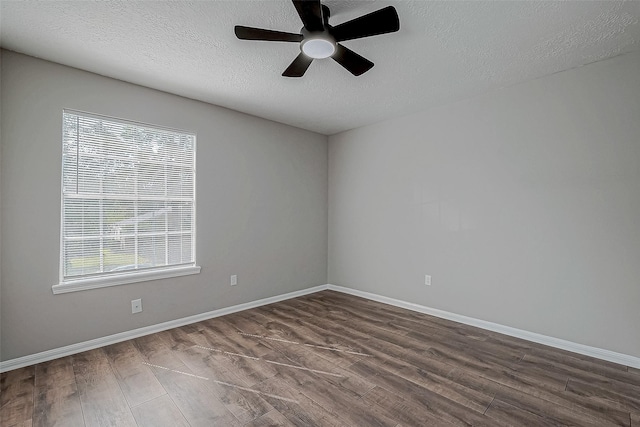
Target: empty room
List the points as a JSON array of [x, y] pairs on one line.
[[320, 213]]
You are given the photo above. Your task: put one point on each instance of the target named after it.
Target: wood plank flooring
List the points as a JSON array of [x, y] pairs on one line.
[[325, 359]]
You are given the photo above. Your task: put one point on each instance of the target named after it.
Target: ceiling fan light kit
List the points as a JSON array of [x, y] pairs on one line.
[[320, 40], [318, 48]]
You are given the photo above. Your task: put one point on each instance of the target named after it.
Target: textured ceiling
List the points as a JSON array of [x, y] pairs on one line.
[[444, 51]]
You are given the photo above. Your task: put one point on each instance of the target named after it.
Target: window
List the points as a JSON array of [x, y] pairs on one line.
[[128, 202]]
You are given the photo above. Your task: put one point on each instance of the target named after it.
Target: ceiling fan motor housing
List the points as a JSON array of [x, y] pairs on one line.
[[317, 44]]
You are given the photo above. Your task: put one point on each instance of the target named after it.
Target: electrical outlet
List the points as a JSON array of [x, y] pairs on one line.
[[136, 305], [234, 280], [427, 280]]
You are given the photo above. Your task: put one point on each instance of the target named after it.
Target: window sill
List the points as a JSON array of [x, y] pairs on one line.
[[122, 279]]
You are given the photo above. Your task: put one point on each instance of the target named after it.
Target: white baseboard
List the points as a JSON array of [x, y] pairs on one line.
[[55, 353], [598, 353], [586, 350]]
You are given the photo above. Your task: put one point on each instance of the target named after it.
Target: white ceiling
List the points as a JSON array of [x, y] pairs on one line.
[[444, 51]]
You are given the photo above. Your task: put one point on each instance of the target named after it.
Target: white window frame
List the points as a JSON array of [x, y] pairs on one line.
[[81, 283]]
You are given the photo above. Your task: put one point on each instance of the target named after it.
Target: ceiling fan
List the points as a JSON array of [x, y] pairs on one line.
[[319, 40]]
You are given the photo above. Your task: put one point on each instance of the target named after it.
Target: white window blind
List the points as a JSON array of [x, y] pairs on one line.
[[128, 197]]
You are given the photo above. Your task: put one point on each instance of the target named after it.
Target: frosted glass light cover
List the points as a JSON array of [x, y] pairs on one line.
[[318, 48]]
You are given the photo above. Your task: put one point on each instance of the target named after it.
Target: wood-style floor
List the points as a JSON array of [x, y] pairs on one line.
[[325, 359]]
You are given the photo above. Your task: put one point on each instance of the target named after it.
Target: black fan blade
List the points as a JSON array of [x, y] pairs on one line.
[[310, 12], [250, 33], [298, 67], [379, 22], [350, 60]]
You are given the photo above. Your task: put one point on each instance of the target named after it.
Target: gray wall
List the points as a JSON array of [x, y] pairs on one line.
[[523, 204], [0, 207], [261, 208]]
